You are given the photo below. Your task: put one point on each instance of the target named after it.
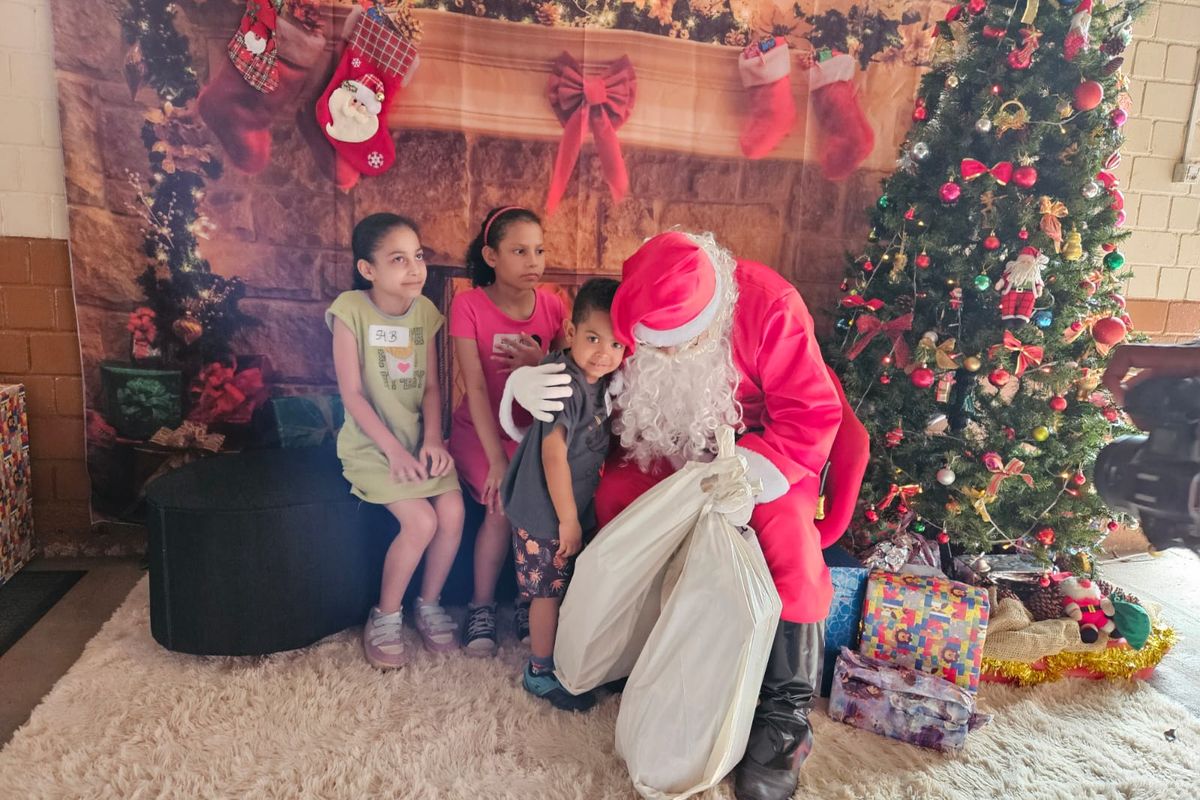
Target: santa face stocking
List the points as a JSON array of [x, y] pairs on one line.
[[846, 136], [376, 63], [240, 116], [252, 49], [765, 69]]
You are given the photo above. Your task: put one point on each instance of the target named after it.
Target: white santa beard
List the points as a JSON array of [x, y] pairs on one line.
[[351, 123], [673, 405]]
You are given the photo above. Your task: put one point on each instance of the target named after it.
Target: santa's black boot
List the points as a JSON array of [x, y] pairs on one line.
[[780, 738]]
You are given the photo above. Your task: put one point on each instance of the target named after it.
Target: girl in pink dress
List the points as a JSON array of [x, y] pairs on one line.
[[505, 322]]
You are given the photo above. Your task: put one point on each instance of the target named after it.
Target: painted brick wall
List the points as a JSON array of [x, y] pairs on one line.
[[1165, 248]]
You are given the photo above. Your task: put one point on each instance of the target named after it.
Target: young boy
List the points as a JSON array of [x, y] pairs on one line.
[[551, 483]]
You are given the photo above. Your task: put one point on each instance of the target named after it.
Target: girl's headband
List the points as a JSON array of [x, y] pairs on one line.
[[488, 227]]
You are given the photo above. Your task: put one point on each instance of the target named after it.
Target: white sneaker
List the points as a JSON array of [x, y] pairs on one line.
[[382, 640]]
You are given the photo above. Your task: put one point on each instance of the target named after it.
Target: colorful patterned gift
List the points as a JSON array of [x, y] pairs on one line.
[[845, 611], [902, 703], [16, 494], [932, 624]]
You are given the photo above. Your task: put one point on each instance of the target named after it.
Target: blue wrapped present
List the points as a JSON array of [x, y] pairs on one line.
[[844, 622]]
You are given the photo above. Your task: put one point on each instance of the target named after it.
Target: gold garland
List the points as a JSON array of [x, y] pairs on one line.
[[1116, 663]]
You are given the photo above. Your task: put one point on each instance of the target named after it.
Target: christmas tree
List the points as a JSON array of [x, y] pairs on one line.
[[975, 324]]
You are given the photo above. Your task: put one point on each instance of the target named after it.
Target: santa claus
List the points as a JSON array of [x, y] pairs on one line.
[[1021, 285], [718, 341], [354, 107]]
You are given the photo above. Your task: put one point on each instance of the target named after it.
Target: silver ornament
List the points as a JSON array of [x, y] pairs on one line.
[[920, 151], [983, 125], [946, 476], [1091, 189]]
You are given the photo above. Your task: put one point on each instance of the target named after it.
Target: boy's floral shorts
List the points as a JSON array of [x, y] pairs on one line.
[[540, 573]]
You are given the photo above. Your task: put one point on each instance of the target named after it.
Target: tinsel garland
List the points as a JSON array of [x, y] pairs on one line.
[[1114, 663]]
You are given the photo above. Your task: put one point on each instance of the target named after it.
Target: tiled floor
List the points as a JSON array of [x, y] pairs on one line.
[[42, 656]]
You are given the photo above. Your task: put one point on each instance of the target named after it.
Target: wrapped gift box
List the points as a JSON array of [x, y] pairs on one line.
[[902, 703], [931, 624], [138, 401], [16, 494], [301, 421], [843, 624]]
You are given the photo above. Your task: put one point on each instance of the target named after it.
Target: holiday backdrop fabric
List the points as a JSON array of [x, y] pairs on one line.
[[219, 153]]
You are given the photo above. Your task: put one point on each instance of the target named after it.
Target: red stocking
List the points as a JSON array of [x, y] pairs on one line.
[[765, 71], [240, 116], [846, 136], [376, 63]]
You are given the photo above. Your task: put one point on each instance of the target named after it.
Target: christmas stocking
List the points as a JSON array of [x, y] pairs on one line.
[[376, 63], [765, 69], [252, 49], [846, 136], [240, 116]]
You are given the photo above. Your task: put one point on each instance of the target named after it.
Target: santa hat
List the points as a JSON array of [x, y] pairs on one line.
[[1030, 251], [670, 293], [368, 90], [1083, 8]]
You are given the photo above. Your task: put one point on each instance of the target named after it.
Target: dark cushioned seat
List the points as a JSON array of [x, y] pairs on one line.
[[261, 551]]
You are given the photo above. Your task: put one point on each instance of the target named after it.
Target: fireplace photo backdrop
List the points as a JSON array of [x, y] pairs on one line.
[[214, 177]]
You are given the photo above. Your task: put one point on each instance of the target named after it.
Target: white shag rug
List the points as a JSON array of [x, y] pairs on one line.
[[131, 720]]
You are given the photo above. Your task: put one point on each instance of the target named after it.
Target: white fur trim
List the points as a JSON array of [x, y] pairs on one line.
[[674, 337], [759, 69], [838, 68], [759, 468]]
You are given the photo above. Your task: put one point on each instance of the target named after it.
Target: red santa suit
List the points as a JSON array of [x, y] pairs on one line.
[[791, 408]]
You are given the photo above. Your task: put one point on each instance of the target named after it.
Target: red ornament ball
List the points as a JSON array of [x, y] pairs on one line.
[[977, 6], [950, 192], [868, 266], [999, 376], [922, 377], [1045, 536], [991, 242], [1118, 117], [1044, 581], [1025, 177], [1119, 299], [1109, 331], [923, 261], [1077, 325], [872, 515], [1088, 95], [920, 112], [1112, 414], [885, 379], [1058, 403], [1023, 234], [943, 538], [1079, 478], [1112, 525]]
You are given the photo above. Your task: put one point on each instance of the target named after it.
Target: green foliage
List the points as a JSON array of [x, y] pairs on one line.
[[971, 79]]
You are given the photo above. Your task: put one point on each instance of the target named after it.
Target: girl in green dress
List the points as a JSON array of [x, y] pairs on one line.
[[385, 356]]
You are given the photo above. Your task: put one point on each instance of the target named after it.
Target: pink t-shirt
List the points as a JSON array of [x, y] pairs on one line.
[[473, 315]]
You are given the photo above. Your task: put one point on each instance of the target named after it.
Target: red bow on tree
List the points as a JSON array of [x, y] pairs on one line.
[[1028, 355], [1013, 469], [602, 102], [858, 301], [905, 493], [1002, 171], [225, 396], [868, 327]]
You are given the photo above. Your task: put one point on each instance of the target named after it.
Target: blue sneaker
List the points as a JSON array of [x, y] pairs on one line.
[[547, 687]]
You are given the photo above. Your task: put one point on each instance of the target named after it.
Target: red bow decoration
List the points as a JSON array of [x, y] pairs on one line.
[[141, 324], [225, 396], [1010, 470], [905, 493], [602, 102], [1028, 355], [1002, 171], [858, 301], [868, 327]]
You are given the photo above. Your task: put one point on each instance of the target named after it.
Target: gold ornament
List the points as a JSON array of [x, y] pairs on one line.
[[188, 328], [1073, 247], [899, 263], [952, 81], [1041, 433], [1011, 116], [972, 363]]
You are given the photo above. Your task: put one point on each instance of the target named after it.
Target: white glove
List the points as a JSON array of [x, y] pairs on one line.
[[759, 468], [538, 390]]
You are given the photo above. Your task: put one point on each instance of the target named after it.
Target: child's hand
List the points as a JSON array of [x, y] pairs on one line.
[[491, 487], [570, 539], [438, 458], [403, 467], [523, 352]]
